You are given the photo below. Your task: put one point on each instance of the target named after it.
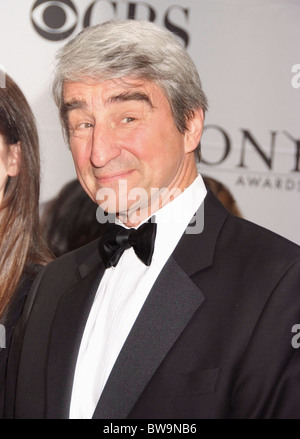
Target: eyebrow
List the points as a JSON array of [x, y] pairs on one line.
[[73, 104], [130, 96], [77, 104]]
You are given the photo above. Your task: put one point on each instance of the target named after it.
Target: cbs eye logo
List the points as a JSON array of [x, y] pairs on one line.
[[54, 20]]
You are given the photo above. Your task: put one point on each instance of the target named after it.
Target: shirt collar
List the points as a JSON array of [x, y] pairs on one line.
[[173, 219]]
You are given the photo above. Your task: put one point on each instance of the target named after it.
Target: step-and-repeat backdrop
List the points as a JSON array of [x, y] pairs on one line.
[[248, 56]]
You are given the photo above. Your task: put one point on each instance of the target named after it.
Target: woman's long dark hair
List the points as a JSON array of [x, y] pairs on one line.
[[21, 244]]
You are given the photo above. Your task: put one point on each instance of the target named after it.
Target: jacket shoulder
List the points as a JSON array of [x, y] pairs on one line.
[[255, 238], [71, 261]]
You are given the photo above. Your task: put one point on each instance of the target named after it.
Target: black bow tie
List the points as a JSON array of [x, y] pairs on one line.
[[116, 239]]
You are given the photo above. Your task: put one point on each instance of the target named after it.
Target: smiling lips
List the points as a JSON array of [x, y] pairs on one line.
[[113, 177]]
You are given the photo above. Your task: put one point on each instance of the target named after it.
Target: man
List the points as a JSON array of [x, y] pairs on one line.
[[200, 326]]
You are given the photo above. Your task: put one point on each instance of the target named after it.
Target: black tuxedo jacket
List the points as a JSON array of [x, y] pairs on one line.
[[213, 339]]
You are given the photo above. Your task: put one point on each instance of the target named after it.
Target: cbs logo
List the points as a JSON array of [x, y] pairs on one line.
[[56, 20]]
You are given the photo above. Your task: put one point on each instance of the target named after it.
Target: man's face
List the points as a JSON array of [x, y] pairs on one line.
[[123, 135]]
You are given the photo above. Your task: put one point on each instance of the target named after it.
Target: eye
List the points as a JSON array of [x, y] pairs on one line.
[[54, 20], [85, 125], [80, 129], [128, 120]]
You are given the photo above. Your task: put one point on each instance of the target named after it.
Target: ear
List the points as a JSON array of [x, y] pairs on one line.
[[14, 159], [194, 131]]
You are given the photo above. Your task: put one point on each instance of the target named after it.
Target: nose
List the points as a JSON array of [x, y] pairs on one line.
[[104, 146]]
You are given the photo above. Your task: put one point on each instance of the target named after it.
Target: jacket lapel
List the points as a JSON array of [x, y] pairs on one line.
[[195, 252], [68, 325], [169, 307]]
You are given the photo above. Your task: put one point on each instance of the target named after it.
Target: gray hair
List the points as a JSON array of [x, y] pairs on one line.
[[137, 49]]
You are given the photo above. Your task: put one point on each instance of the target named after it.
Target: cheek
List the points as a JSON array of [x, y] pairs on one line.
[[165, 148], [80, 157], [3, 177], [3, 167], [148, 144]]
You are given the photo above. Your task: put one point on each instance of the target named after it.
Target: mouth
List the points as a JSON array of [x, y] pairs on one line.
[[106, 179]]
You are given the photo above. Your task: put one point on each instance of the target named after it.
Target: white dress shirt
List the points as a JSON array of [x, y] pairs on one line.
[[120, 296]]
